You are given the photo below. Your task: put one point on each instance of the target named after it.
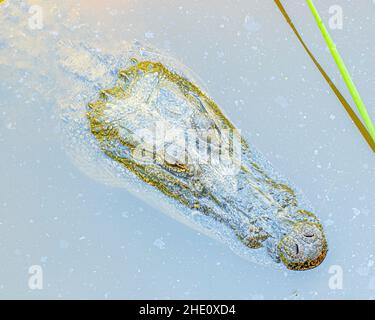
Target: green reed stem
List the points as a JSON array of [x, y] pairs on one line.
[[343, 70]]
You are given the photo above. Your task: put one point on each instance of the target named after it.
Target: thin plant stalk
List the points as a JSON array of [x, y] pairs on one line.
[[343, 70]]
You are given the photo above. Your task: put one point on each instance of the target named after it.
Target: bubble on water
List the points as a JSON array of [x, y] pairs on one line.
[[251, 25], [159, 243]]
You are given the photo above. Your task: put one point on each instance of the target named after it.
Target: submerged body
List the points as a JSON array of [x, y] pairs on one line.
[[137, 119], [220, 179]]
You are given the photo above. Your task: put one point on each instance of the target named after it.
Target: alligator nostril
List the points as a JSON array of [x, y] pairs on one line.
[[305, 247], [297, 249], [309, 237]]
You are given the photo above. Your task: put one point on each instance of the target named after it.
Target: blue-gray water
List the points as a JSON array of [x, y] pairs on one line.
[[95, 241]]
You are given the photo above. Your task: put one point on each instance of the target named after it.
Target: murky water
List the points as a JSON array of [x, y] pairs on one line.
[[98, 240]]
